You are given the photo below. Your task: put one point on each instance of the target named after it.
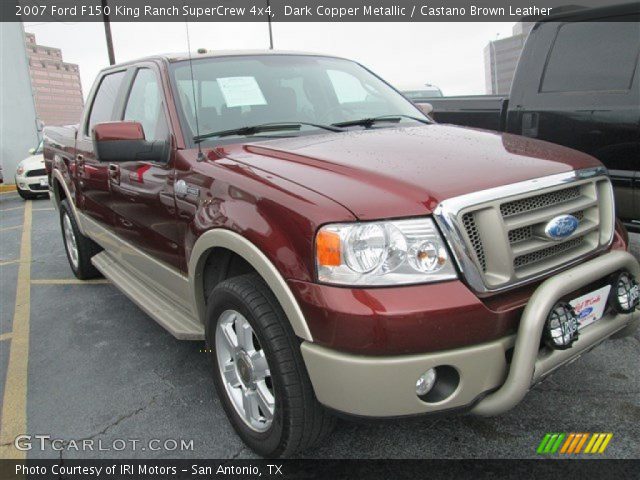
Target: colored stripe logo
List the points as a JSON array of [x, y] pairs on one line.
[[574, 443]]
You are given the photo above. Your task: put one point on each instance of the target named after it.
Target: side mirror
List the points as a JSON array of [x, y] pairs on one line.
[[32, 151], [125, 142], [425, 108]]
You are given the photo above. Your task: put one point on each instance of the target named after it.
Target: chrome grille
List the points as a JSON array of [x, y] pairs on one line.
[[498, 235]]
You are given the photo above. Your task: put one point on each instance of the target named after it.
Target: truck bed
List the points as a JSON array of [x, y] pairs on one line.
[[480, 111]]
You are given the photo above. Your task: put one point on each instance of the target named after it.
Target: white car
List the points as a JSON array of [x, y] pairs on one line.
[[31, 176]]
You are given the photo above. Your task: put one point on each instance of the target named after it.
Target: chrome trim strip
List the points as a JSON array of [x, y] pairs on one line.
[[447, 212]]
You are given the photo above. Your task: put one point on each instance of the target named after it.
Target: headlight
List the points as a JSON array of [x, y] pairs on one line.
[[382, 253], [20, 170]]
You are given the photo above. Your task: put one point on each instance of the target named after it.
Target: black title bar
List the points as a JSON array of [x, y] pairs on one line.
[[289, 10], [315, 469]]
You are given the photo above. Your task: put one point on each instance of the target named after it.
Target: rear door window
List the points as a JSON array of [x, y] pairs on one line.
[[104, 100], [592, 56]]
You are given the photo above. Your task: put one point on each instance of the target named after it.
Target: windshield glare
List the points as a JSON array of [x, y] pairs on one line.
[[233, 92]]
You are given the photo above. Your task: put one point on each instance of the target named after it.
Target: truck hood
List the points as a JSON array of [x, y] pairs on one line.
[[406, 171]]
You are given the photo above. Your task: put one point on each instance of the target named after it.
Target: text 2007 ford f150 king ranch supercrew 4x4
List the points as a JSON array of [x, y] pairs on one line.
[[336, 249]]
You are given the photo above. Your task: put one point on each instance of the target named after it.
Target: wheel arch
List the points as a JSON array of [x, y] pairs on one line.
[[250, 253], [61, 192]]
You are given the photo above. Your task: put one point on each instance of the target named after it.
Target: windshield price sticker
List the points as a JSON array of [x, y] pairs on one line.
[[241, 91]]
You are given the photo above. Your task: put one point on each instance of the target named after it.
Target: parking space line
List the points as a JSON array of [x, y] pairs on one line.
[[14, 404], [5, 336], [12, 209], [10, 228], [8, 262], [43, 209], [69, 281]]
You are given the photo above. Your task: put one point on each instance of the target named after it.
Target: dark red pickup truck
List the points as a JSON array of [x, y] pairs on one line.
[[336, 249]]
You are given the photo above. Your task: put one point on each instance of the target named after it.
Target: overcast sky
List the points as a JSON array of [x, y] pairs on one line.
[[448, 55]]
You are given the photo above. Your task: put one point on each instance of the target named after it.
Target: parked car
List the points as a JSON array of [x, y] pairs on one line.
[[1, 176], [577, 84], [421, 92], [31, 175], [335, 249]]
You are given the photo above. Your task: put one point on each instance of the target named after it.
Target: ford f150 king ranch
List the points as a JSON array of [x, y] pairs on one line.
[[336, 249]]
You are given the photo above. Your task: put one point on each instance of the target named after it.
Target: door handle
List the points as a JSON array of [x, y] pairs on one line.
[[114, 173]]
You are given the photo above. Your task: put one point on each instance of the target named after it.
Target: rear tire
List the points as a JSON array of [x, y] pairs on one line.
[[79, 248], [297, 420]]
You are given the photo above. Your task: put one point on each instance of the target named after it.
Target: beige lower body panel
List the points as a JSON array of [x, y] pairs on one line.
[[386, 386]]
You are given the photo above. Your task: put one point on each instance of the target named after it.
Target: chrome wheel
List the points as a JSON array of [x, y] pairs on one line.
[[244, 370], [70, 240]]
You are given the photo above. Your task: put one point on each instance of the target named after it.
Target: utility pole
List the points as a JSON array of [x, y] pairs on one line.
[[107, 32], [269, 20]]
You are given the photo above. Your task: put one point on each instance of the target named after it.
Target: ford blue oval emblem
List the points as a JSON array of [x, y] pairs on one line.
[[561, 227], [585, 313]]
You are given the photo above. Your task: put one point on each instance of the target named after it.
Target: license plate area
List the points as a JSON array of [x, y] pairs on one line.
[[591, 306]]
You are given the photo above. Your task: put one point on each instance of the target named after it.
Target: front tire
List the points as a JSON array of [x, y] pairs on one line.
[[79, 248], [258, 370]]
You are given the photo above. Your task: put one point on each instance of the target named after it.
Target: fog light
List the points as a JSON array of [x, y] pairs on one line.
[[561, 329], [625, 293], [425, 382]]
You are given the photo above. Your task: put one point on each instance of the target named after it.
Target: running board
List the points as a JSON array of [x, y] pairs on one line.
[[178, 322]]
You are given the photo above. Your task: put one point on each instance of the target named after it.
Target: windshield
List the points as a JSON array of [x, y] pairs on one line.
[[235, 92]]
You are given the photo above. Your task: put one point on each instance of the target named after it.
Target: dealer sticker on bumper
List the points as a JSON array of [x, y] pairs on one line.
[[590, 307], [44, 182]]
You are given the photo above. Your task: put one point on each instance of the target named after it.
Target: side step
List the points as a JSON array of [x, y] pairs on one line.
[[178, 322]]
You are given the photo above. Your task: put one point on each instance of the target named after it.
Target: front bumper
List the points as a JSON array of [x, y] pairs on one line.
[[32, 184], [488, 383]]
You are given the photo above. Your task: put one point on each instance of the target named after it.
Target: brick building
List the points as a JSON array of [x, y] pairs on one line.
[[56, 84]]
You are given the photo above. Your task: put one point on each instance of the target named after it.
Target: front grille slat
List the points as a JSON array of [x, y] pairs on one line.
[[545, 254], [539, 201], [469, 222]]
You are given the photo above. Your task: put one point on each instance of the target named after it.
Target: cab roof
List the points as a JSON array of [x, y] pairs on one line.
[[184, 56]]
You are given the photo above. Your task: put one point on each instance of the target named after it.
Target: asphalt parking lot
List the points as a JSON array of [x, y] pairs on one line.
[[79, 361]]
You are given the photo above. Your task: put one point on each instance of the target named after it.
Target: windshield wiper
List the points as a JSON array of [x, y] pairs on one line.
[[264, 127], [368, 122]]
